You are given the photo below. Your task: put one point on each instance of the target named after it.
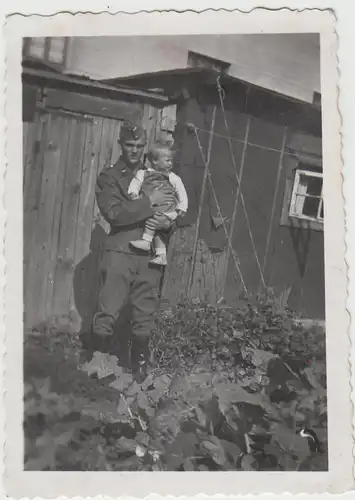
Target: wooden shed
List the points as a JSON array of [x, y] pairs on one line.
[[70, 131], [256, 212]]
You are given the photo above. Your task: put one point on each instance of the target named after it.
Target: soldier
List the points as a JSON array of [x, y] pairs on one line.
[[127, 274]]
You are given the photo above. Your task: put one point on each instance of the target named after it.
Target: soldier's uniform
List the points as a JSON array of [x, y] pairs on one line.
[[127, 274]]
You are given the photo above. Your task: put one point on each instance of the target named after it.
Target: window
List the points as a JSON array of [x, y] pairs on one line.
[[51, 51], [306, 199], [302, 205], [196, 60]]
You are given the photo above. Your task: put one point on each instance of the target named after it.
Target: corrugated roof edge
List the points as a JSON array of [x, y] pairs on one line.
[[132, 79], [48, 75]]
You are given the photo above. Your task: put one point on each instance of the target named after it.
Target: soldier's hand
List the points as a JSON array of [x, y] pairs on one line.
[[158, 221]]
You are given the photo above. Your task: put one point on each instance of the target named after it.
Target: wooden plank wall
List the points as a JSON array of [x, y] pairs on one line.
[[63, 153], [207, 273]]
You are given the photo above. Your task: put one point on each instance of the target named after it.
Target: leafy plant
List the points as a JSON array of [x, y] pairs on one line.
[[229, 389]]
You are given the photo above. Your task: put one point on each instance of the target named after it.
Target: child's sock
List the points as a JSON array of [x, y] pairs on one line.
[[160, 260], [160, 251], [148, 236]]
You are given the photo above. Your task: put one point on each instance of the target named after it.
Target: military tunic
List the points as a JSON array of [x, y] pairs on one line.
[[126, 273]]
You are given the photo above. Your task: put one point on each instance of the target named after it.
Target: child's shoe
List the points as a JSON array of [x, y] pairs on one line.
[[141, 245], [159, 260]]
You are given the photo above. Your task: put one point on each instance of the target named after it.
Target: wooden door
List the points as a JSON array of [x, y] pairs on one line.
[[63, 153]]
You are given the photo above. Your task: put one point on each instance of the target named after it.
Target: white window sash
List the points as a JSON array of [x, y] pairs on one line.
[[299, 195]]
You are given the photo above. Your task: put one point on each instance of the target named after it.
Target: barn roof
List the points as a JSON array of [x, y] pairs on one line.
[[42, 74], [168, 81], [258, 101]]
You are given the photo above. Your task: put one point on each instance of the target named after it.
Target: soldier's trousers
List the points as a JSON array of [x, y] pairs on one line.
[[127, 277]]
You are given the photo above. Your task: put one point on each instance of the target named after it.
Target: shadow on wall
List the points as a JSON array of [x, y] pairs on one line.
[[86, 283]]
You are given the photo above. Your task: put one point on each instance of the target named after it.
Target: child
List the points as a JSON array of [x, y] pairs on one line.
[[157, 176]]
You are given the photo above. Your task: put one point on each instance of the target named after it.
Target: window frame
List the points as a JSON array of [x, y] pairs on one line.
[[47, 48], [296, 182], [296, 162]]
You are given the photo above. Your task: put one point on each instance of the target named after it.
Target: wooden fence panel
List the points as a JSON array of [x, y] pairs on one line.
[[69, 212], [63, 152], [40, 259], [176, 278], [62, 145], [87, 245], [31, 198], [207, 279]]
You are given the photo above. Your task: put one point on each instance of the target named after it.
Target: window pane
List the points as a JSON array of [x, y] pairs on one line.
[[56, 50], [302, 184], [322, 212], [310, 207], [36, 47], [314, 186], [298, 207]]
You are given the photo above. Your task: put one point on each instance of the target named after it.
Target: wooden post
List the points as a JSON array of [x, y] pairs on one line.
[[273, 207], [203, 189], [237, 196]]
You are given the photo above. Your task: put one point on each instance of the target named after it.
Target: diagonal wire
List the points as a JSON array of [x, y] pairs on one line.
[[208, 175], [231, 231], [273, 207], [203, 189], [238, 180]]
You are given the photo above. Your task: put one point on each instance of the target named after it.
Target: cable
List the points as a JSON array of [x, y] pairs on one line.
[[236, 200], [220, 212], [203, 188], [238, 180]]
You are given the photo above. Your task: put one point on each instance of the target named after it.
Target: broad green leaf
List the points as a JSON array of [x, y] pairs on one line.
[[178, 386], [290, 441], [201, 380], [261, 358], [103, 411], [64, 438], [233, 393], [122, 383], [103, 365], [133, 389], [201, 416], [232, 451], [148, 382], [122, 408], [313, 380], [125, 444], [144, 404], [249, 463], [142, 438], [214, 447], [155, 394]]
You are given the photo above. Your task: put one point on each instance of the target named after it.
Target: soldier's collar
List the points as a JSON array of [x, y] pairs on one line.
[[124, 169]]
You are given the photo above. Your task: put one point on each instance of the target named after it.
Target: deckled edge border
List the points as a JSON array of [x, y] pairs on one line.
[[3, 225]]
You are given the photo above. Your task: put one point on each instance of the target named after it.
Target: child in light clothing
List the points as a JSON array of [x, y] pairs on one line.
[[159, 176]]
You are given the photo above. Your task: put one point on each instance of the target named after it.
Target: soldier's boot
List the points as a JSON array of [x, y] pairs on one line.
[[140, 355]]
